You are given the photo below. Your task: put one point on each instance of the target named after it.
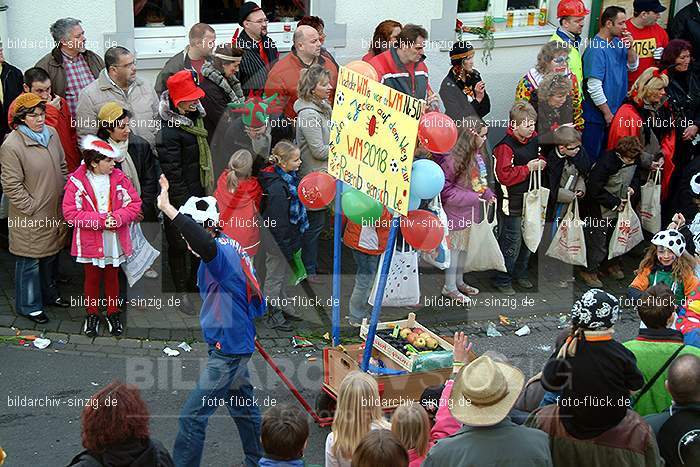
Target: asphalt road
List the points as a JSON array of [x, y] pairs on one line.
[[50, 436]]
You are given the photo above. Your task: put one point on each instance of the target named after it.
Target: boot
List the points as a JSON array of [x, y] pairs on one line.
[[591, 279], [276, 320]]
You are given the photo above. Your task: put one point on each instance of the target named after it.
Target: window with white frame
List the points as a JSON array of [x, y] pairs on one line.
[[161, 26], [525, 13]]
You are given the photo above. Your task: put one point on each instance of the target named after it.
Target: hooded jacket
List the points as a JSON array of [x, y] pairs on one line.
[[178, 153], [80, 211], [240, 211], [274, 209], [131, 453], [313, 135]]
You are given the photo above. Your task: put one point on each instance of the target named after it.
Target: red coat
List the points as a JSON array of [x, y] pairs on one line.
[[240, 211], [80, 211], [59, 120], [628, 122], [284, 76]]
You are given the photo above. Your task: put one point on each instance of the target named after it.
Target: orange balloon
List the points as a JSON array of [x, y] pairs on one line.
[[363, 68]]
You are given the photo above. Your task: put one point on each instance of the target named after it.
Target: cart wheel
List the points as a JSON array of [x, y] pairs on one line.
[[325, 405]]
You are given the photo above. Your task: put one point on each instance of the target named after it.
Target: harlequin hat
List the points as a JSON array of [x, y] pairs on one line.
[[695, 185], [255, 110], [93, 143], [596, 309], [671, 239]]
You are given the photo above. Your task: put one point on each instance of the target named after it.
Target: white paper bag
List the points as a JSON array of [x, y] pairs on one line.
[[483, 252], [142, 258], [650, 206], [442, 259], [402, 284], [534, 211], [568, 244], [627, 233]]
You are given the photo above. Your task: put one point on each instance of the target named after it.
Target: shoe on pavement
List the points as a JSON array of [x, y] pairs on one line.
[[60, 302], [591, 279], [506, 289], [456, 296], [151, 274], [275, 320], [39, 318], [524, 283], [353, 323], [292, 316], [467, 289], [563, 284], [92, 325], [114, 324], [186, 305], [616, 272]]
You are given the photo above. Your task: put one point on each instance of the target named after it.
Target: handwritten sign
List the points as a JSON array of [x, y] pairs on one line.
[[373, 136]]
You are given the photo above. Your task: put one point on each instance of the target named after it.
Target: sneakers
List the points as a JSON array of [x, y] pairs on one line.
[[39, 318], [115, 324], [91, 326], [186, 305], [616, 272], [524, 283], [151, 274], [591, 279], [506, 289], [456, 297], [275, 320]]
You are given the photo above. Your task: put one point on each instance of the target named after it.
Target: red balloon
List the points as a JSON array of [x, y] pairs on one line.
[[437, 132], [422, 230], [316, 190]]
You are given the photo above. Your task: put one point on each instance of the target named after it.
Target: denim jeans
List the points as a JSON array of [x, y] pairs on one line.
[[225, 380], [35, 283], [367, 266], [595, 140], [515, 253], [309, 239]]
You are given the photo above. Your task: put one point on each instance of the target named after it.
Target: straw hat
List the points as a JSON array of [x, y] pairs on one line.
[[485, 391]]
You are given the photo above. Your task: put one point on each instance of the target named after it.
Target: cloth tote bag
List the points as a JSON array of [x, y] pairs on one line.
[[442, 259], [483, 252], [650, 206], [534, 211], [627, 233], [402, 284], [568, 244], [142, 258]]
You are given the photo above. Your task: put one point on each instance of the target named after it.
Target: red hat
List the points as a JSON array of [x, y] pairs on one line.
[[571, 8], [182, 86]]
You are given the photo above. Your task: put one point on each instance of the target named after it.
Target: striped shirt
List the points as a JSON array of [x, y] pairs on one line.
[[78, 75]]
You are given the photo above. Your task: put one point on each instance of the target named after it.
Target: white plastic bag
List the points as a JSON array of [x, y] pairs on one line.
[[402, 284], [442, 259], [650, 205], [534, 211], [627, 233], [568, 244], [483, 252], [142, 258]]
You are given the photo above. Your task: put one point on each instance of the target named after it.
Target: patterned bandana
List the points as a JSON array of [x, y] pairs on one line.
[[596, 309]]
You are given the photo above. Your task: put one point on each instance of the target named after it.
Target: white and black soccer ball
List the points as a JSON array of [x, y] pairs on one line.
[[340, 97], [394, 166], [671, 239], [695, 185], [202, 210]]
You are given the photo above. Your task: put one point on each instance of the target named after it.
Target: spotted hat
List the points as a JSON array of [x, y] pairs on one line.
[[695, 185], [596, 309], [671, 239]]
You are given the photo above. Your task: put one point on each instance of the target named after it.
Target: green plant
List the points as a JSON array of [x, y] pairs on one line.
[[486, 35]]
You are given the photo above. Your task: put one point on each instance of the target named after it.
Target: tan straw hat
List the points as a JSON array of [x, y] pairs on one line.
[[485, 391]]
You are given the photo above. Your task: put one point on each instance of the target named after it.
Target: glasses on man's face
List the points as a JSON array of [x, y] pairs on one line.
[[127, 65], [260, 21]]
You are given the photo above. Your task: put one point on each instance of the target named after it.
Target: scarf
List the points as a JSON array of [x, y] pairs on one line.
[[570, 346], [41, 138], [206, 171], [478, 175], [231, 86], [127, 163], [297, 211]]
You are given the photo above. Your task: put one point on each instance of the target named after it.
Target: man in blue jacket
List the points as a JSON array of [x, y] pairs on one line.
[[231, 300]]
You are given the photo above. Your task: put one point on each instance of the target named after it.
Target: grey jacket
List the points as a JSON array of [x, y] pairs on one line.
[[313, 134], [503, 444], [140, 100]]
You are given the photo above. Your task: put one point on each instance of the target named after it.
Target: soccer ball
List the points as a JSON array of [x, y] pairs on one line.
[[340, 98], [202, 210], [394, 166]]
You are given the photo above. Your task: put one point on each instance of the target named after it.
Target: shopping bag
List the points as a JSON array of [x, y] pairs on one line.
[[483, 252], [440, 258], [568, 244], [298, 269], [402, 284], [650, 206], [142, 258], [534, 211], [628, 232]]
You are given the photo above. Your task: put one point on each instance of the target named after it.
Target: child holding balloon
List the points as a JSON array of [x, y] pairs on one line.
[[286, 217], [465, 187]]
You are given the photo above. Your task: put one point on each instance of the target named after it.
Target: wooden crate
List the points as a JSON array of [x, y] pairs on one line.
[[403, 361], [394, 390]]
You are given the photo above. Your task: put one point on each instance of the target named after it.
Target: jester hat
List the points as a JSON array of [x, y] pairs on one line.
[[255, 110]]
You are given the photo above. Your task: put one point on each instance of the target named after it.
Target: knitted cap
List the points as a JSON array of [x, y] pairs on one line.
[[27, 101], [110, 112], [460, 51]]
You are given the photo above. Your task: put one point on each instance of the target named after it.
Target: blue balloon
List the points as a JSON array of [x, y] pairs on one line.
[[413, 203], [427, 179]]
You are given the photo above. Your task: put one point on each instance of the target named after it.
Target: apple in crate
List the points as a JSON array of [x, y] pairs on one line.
[[425, 336], [411, 338], [431, 343], [405, 332], [419, 343]]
